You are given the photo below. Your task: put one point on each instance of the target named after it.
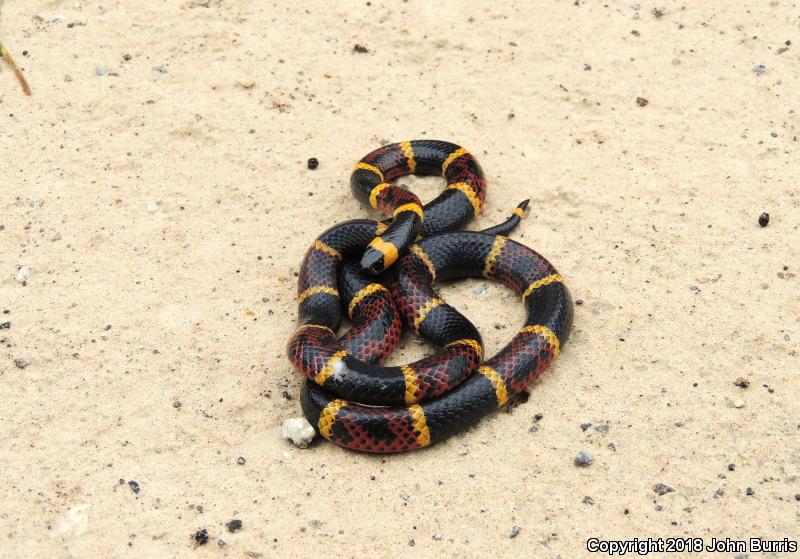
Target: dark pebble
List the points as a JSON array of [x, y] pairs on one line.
[[583, 459], [514, 531], [585, 426], [750, 492], [662, 489], [641, 101], [134, 486], [126, 57], [234, 525], [579, 301], [286, 395], [360, 49], [5, 325], [313, 163], [763, 219], [538, 416], [200, 537], [797, 496], [241, 460], [731, 467], [658, 12]]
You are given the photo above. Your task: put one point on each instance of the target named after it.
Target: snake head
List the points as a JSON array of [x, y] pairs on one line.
[[373, 261]]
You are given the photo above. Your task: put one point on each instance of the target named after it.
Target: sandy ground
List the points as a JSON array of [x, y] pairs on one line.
[[155, 185]]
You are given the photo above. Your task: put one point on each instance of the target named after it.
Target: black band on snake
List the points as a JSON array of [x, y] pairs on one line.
[[437, 396]]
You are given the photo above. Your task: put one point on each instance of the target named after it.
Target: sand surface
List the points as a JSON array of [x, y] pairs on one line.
[[155, 186]]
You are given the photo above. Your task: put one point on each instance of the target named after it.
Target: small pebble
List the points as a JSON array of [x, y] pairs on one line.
[[750, 492], [221, 542], [741, 382], [299, 431], [21, 363], [134, 486], [22, 275], [126, 57], [234, 525], [101, 71], [152, 207], [360, 49], [159, 70], [641, 101], [738, 404], [585, 426], [583, 459], [200, 537], [662, 489], [313, 163], [514, 531], [797, 496], [5, 325], [760, 69], [241, 460], [731, 467], [763, 219]]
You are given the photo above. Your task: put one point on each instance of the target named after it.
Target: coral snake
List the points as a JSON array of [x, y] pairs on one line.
[[349, 396]]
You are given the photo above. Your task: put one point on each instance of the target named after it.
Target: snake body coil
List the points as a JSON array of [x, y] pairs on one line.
[[428, 400]]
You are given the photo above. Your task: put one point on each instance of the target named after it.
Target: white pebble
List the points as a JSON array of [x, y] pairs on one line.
[[152, 207], [299, 431], [23, 274], [738, 403]]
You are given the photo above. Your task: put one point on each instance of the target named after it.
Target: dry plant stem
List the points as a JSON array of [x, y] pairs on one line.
[[7, 56]]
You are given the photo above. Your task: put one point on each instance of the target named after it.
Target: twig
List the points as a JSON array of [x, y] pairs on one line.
[[7, 56]]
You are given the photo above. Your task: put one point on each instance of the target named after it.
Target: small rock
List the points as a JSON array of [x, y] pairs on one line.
[[437, 537], [750, 492], [101, 71], [741, 382], [22, 275], [760, 69], [55, 237], [738, 404], [585, 426], [641, 101], [731, 467], [312, 163], [152, 207], [583, 459], [234, 525], [247, 84], [221, 542], [514, 531], [159, 70], [5, 325], [241, 461], [587, 500], [126, 57], [360, 49], [662, 489], [763, 219], [200, 537], [134, 486], [21, 363], [299, 431]]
